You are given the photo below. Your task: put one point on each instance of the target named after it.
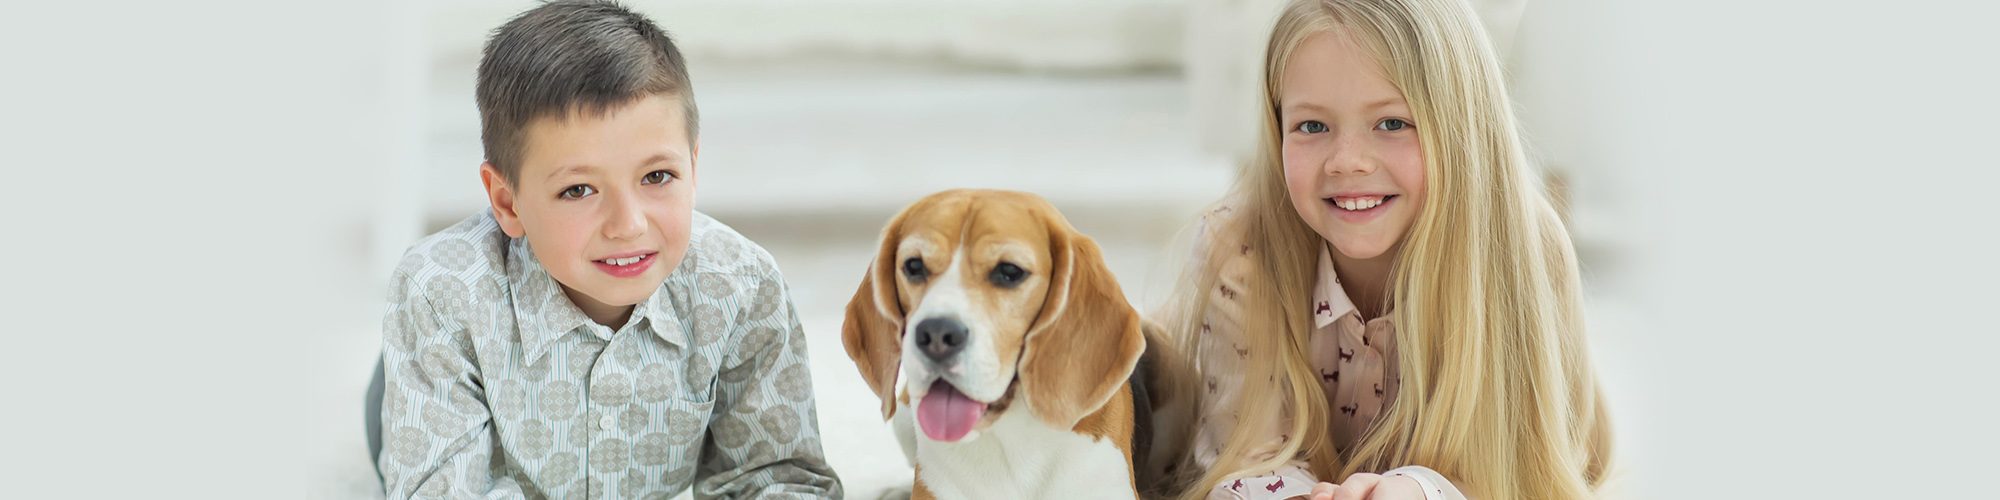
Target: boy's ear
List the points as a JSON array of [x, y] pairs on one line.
[[502, 197]]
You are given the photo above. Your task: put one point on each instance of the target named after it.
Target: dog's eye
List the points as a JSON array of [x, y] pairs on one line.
[[1007, 275], [914, 268]]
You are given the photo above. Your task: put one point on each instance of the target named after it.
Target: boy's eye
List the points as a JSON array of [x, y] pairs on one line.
[[658, 177], [578, 191], [1392, 125], [1311, 127]]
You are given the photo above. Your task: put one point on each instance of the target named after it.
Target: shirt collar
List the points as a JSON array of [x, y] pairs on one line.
[[659, 311], [1330, 301], [541, 310], [545, 314]]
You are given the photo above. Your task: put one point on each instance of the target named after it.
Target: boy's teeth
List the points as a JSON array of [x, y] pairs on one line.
[[622, 262]]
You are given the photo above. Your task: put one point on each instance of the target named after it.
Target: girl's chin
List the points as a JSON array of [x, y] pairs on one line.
[[1361, 249]]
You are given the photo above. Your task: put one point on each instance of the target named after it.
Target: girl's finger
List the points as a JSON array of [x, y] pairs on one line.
[[1323, 491], [1356, 487]]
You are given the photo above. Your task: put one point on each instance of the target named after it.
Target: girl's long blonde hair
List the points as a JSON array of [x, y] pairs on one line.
[[1497, 391]]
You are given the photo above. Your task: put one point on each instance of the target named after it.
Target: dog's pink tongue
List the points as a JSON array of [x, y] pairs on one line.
[[946, 414]]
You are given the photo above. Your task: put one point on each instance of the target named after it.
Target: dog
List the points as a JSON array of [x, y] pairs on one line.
[[1029, 374]]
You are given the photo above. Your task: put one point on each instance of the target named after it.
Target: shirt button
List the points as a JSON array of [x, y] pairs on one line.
[[604, 423]]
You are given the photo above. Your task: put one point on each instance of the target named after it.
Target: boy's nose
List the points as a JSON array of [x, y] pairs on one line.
[[626, 221]]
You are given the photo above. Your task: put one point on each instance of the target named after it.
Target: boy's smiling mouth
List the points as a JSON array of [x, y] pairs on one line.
[[627, 265]]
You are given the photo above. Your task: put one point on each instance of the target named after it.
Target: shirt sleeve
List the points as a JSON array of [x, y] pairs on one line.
[[439, 440], [1222, 355], [1435, 486], [763, 438]]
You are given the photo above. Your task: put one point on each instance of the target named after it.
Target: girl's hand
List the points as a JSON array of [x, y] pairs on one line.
[[1364, 486]]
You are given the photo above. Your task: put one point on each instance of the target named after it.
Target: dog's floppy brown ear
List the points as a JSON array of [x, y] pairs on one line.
[[873, 330], [1086, 339]]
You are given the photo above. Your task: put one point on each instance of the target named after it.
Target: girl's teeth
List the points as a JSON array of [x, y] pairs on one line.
[[623, 262], [1356, 204]]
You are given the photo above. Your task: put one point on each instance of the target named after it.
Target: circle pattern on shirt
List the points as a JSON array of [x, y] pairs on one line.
[[560, 470], [715, 286], [559, 399], [509, 398], [793, 383], [781, 423], [731, 431], [456, 255], [441, 420], [656, 383], [536, 439], [700, 371], [446, 293], [611, 389], [653, 449], [709, 324], [610, 455], [766, 301], [635, 418], [686, 425]]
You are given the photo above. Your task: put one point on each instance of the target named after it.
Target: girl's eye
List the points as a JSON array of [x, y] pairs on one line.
[[577, 192], [658, 177], [1392, 125], [1311, 127]]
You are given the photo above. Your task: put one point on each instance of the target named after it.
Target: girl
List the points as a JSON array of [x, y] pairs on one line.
[[1390, 279]]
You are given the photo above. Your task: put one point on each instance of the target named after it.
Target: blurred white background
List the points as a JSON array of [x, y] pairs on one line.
[[1780, 207]]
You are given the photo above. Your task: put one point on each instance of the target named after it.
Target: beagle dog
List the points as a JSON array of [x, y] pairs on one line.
[[1017, 352]]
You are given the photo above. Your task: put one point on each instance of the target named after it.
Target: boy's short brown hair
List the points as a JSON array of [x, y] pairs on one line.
[[571, 56]]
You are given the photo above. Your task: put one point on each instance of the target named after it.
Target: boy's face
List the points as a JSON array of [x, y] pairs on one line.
[[605, 201]]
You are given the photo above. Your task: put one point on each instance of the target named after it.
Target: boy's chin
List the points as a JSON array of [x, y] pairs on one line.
[[627, 291], [620, 292]]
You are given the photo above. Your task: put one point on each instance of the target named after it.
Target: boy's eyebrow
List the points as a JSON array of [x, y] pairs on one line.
[[667, 157], [569, 169]]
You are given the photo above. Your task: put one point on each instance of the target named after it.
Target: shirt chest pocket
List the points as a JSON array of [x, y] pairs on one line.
[[675, 392], [674, 439]]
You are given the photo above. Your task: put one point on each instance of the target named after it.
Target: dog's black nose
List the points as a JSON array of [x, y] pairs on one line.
[[940, 338]]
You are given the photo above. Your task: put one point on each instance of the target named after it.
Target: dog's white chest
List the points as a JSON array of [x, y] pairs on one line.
[[1019, 457]]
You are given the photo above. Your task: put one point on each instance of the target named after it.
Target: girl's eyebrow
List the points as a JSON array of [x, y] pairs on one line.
[[1371, 105], [1299, 105], [1384, 102]]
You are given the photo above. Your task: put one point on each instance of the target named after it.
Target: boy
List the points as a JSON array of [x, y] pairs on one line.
[[593, 336]]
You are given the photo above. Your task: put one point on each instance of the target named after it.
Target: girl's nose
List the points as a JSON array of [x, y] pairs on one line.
[[1349, 157]]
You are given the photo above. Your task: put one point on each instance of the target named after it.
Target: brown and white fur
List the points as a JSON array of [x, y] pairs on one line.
[[1052, 355]]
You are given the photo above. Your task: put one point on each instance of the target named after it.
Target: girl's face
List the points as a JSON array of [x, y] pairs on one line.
[[1352, 163]]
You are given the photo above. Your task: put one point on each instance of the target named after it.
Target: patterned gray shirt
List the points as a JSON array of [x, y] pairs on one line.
[[498, 386]]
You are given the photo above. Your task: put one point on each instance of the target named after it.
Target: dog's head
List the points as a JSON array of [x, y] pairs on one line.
[[981, 297]]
